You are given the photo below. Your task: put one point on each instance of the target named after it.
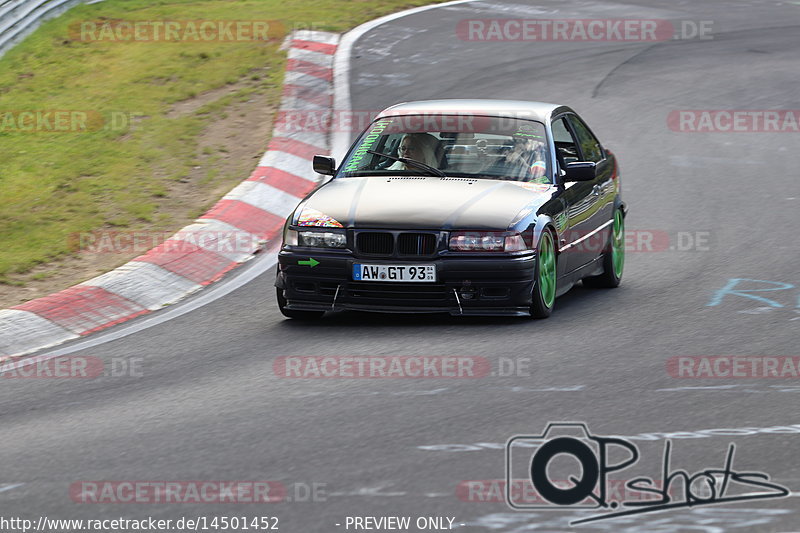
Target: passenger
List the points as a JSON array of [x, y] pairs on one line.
[[422, 147], [525, 161]]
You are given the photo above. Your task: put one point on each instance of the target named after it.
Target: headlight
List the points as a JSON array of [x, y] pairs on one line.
[[486, 241], [321, 239]]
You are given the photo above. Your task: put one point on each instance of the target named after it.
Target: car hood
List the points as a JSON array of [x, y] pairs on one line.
[[420, 202]]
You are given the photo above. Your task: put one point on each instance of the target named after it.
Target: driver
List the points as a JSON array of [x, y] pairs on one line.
[[420, 147]]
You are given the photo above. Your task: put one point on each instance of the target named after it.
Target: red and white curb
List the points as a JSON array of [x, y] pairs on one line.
[[255, 209]]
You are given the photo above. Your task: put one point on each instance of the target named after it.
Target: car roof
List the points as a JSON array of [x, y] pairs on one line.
[[540, 111]]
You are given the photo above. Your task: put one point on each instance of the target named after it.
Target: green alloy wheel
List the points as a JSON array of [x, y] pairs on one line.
[[613, 257], [544, 290]]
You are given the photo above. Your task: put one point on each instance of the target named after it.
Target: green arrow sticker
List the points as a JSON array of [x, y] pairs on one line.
[[311, 262]]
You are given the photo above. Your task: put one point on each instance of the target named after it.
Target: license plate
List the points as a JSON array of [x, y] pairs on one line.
[[418, 273]]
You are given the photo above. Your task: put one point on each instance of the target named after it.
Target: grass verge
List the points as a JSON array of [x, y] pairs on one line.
[[157, 162]]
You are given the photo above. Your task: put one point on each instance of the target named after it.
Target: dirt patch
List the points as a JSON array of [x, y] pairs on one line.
[[230, 147], [192, 105]]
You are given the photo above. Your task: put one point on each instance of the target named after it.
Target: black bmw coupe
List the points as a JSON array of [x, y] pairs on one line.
[[467, 207]]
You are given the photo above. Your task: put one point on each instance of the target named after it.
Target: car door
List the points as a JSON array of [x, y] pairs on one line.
[[579, 197], [603, 188]]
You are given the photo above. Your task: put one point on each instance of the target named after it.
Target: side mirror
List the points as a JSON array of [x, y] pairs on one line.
[[324, 165], [580, 171]]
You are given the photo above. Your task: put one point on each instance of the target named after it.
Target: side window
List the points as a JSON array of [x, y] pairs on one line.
[[590, 147], [565, 144]]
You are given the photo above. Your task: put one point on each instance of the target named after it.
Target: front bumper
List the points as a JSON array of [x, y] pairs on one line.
[[465, 285]]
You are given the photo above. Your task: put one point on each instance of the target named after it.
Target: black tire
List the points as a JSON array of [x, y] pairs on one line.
[[611, 276], [292, 313], [541, 303]]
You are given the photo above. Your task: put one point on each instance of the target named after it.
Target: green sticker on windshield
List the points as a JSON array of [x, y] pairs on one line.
[[366, 144]]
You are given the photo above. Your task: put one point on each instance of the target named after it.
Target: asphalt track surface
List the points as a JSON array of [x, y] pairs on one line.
[[209, 406]]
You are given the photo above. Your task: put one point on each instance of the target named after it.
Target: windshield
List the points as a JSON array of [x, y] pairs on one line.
[[501, 148]]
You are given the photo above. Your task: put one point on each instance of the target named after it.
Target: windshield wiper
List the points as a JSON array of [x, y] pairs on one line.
[[433, 170]]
